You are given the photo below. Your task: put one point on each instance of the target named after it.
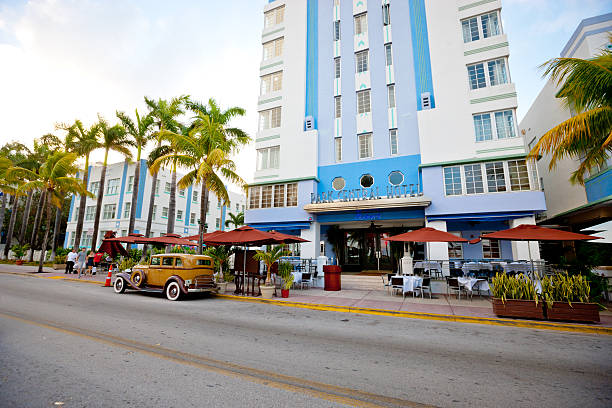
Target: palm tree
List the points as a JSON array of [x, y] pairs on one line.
[[113, 138], [55, 181], [235, 219], [164, 114], [82, 141], [140, 131], [586, 87], [6, 187], [269, 256]]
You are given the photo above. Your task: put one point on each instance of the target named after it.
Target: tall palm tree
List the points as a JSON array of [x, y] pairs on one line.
[[82, 141], [586, 87], [140, 131], [55, 181], [113, 138], [6, 187], [235, 219], [164, 114]]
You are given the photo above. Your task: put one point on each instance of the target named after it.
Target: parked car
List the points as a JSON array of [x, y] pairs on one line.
[[171, 274]]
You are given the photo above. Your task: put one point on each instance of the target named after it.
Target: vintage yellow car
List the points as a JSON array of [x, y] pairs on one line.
[[172, 274]]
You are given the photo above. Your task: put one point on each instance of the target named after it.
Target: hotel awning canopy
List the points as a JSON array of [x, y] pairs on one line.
[[368, 204]]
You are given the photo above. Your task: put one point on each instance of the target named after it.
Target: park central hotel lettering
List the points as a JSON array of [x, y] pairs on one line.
[[357, 194]]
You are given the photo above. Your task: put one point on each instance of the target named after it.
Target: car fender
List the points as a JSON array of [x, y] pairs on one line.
[[128, 278], [180, 281]]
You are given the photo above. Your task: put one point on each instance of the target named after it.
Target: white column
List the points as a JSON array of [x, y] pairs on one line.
[[520, 249], [311, 249], [438, 251]]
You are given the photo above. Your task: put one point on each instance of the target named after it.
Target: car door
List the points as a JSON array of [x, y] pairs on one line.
[[154, 271], [167, 268]]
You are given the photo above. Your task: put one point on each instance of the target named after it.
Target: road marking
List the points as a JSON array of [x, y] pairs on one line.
[[315, 389], [530, 324]]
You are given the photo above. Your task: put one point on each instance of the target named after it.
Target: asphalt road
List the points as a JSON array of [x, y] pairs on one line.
[[71, 344]]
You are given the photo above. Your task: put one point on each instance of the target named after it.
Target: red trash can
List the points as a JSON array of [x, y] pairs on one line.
[[332, 277]]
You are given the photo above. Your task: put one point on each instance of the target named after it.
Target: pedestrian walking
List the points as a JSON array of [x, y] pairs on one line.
[[81, 261], [90, 263], [71, 258], [97, 260]]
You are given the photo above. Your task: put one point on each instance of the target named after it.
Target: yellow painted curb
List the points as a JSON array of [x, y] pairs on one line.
[[578, 328]]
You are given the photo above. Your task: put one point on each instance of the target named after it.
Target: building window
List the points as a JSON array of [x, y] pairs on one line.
[[109, 211], [94, 187], [126, 210], [393, 141], [496, 181], [254, 195], [218, 204], [338, 148], [337, 67], [396, 178], [366, 181], [154, 214], [504, 124], [273, 49], [167, 188], [473, 179], [482, 126], [217, 223], [274, 16], [157, 187], [452, 180], [497, 72], [268, 158], [455, 249], [519, 175], [270, 118], [279, 196], [490, 248], [179, 215], [476, 76], [266, 197], [361, 24], [386, 16], [361, 61], [388, 55], [75, 217], [494, 74], [363, 101], [271, 83], [113, 186], [391, 95], [72, 238], [484, 26], [194, 196], [164, 212], [365, 145], [292, 195], [90, 212], [338, 106], [130, 184], [338, 183], [181, 192], [337, 30]]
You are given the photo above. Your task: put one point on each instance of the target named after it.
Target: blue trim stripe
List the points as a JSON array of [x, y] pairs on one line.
[[420, 50], [188, 207], [312, 53], [123, 179], [141, 186], [223, 210]]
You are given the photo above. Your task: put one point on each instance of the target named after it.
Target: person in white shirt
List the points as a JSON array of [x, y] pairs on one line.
[[70, 260]]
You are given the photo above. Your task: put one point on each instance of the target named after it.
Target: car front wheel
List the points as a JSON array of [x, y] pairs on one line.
[[173, 291], [119, 285]]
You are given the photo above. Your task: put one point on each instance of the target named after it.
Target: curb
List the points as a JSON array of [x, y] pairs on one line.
[[531, 324]]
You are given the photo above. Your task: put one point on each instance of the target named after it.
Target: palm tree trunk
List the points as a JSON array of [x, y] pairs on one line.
[[82, 205], [203, 207], [134, 197], [94, 239], [11, 227], [46, 238], [56, 227], [26, 217], [150, 215], [2, 212], [37, 220]]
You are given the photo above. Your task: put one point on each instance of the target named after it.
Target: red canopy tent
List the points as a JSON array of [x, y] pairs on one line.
[[111, 246], [205, 236], [130, 239], [426, 234]]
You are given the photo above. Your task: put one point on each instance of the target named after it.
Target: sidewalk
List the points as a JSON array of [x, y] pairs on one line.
[[49, 273]]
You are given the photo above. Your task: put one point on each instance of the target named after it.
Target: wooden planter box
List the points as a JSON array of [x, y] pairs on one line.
[[526, 309], [577, 312]]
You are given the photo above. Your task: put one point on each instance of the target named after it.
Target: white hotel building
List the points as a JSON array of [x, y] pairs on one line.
[[116, 205], [380, 115]]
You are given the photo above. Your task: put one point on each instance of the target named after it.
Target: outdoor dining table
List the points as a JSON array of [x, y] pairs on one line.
[[297, 277], [428, 265], [472, 284], [411, 283]]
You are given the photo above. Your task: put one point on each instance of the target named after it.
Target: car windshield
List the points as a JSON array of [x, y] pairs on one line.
[[168, 261], [155, 260]]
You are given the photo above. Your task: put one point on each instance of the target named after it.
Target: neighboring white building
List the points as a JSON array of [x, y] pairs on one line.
[[569, 204], [379, 114], [116, 203]]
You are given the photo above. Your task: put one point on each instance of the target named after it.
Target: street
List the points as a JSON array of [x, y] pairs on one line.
[[74, 345]]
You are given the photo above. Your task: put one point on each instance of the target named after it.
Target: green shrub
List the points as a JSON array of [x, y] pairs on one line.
[[518, 287], [284, 271], [565, 288], [20, 250]]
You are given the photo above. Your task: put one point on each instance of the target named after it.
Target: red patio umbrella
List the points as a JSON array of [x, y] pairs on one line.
[[206, 236], [426, 234], [111, 246], [288, 239], [166, 239], [129, 239]]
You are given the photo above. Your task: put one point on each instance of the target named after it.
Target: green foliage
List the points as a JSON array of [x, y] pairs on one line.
[[269, 256], [284, 271], [518, 287], [60, 259], [182, 250], [135, 254], [20, 250], [565, 288], [127, 263], [62, 252], [220, 254]]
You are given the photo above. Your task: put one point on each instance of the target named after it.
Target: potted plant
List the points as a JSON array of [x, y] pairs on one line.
[[284, 271], [220, 254], [60, 262], [567, 298], [19, 251], [516, 296], [269, 256]]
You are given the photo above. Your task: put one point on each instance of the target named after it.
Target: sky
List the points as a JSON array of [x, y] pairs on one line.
[[62, 60]]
